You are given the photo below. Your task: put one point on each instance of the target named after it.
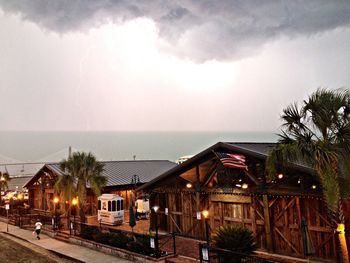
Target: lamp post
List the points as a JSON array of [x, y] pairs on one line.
[[135, 179], [156, 208], [55, 202], [206, 218], [20, 199], [74, 203]]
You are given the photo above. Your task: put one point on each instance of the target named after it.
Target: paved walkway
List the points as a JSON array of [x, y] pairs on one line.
[[74, 251]]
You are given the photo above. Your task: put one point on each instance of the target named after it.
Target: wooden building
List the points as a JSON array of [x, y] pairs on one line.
[[273, 210], [122, 178]]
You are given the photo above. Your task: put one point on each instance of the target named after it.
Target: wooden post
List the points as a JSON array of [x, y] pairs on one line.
[[252, 215], [197, 190], [267, 223]]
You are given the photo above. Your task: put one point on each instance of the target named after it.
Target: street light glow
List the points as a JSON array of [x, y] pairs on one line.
[[74, 201], [155, 208], [205, 213]]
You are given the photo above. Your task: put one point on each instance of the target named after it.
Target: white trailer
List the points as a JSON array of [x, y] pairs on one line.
[[110, 209], [142, 208]]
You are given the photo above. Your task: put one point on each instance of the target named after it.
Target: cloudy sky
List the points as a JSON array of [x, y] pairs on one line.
[[166, 65]]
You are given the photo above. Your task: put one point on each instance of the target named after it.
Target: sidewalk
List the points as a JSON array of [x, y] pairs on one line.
[[77, 252]]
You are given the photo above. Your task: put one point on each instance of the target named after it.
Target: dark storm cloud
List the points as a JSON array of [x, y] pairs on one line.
[[197, 29]]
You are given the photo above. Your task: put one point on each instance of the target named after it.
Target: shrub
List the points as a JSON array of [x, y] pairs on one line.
[[119, 240], [135, 246], [234, 238], [103, 238], [88, 232], [145, 242]]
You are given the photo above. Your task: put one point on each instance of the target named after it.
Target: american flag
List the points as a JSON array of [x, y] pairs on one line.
[[232, 160]]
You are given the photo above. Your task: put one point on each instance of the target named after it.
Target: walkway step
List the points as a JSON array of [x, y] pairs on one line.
[[180, 259], [62, 236]]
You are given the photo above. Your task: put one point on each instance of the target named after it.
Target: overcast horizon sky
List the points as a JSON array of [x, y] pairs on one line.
[[98, 65]]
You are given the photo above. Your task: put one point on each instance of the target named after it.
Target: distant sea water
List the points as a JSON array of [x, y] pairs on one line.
[[33, 146]]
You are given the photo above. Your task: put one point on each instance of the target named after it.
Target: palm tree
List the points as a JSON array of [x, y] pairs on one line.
[[318, 134], [81, 171]]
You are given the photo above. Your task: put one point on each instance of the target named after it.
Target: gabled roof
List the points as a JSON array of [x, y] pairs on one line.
[[120, 173], [256, 150]]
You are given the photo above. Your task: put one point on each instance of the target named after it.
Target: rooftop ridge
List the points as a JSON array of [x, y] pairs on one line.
[[251, 142]]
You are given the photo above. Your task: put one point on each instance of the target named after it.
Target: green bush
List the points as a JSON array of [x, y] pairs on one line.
[[103, 238], [135, 246], [119, 240], [88, 232], [145, 242], [235, 238]]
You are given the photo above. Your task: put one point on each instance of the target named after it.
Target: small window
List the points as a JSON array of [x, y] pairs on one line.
[[99, 204], [109, 205], [118, 205], [122, 204], [114, 206], [104, 206]]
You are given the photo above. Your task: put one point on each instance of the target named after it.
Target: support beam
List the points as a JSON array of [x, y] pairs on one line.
[[267, 223]]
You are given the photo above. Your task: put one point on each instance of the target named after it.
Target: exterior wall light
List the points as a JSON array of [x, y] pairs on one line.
[[244, 186], [155, 208], [189, 185]]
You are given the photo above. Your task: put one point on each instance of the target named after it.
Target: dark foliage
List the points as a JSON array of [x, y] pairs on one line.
[[103, 238], [234, 238], [119, 240], [88, 232]]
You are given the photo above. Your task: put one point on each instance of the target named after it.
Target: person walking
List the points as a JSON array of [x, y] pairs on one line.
[[37, 230]]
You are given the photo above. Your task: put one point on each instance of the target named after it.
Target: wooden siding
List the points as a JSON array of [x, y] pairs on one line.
[[278, 219]]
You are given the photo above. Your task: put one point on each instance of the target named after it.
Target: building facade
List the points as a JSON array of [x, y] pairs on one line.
[[122, 178], [287, 215]]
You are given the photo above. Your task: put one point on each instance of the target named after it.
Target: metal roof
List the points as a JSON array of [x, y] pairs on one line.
[[121, 172], [258, 148], [20, 169], [17, 183]]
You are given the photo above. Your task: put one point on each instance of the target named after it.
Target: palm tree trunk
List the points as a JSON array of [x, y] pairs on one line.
[[344, 257]]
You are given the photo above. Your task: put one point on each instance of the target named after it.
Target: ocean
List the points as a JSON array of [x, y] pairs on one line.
[[40, 146]]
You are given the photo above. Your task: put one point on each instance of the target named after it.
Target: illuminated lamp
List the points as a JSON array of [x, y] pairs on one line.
[[75, 201], [155, 208], [280, 176], [314, 186], [205, 213], [189, 185], [244, 186]]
